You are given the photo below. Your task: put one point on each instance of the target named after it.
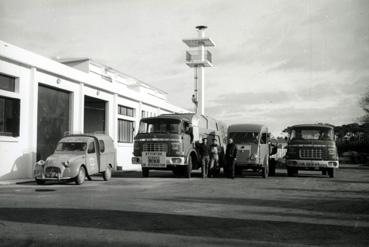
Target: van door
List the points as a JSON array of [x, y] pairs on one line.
[[264, 148], [92, 164]]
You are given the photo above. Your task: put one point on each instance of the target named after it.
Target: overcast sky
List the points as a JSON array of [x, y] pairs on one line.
[[276, 62]]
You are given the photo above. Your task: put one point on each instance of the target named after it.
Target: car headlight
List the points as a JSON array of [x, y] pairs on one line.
[[40, 163], [66, 163]]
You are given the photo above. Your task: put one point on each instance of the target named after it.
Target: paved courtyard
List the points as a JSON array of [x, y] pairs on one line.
[[162, 210]]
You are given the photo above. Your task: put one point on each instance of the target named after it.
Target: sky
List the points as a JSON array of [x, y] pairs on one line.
[[277, 62]]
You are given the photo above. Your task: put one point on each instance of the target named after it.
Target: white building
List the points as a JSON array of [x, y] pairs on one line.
[[41, 99]]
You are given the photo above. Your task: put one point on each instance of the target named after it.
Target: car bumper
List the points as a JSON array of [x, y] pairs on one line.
[[169, 161], [313, 164]]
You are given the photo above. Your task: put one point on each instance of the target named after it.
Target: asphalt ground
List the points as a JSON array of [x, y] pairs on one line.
[[128, 210]]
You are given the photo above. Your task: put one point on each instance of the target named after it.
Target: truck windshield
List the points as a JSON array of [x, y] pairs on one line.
[[244, 137], [71, 146], [160, 125], [325, 134]]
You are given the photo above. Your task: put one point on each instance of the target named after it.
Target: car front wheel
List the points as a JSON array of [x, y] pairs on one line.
[[107, 173], [80, 179]]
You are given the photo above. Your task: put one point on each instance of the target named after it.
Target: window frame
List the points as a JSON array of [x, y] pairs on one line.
[[130, 132]]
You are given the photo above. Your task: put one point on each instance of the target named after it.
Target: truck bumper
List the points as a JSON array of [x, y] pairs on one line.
[[169, 161], [313, 164]]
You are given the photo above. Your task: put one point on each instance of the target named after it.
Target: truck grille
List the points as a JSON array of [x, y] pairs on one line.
[[311, 153], [155, 147]]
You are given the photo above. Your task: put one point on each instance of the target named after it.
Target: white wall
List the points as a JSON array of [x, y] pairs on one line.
[[18, 154]]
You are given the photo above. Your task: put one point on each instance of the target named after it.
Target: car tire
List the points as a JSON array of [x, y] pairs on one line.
[[80, 179], [145, 172], [107, 173], [40, 181], [331, 172]]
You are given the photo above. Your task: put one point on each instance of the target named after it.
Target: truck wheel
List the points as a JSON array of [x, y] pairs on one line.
[[272, 167], [265, 171], [80, 179], [291, 171], [331, 172], [40, 182], [107, 173], [188, 168], [145, 172], [177, 171]]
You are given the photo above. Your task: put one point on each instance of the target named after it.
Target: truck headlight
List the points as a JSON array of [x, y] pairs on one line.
[[176, 146]]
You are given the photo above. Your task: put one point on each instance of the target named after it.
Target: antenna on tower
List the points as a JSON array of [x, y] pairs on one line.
[[199, 58]]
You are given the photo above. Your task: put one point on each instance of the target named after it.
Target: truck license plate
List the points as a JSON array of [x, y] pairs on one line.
[[154, 159]]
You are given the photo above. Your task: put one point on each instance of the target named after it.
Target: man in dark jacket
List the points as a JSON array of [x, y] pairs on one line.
[[205, 159], [231, 154]]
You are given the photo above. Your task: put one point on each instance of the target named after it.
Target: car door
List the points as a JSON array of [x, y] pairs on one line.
[[91, 157]]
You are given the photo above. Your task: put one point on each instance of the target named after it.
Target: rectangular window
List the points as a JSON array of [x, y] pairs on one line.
[[9, 116], [125, 131], [7, 83], [126, 111]]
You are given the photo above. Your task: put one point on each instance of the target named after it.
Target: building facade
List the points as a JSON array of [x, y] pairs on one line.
[[42, 99]]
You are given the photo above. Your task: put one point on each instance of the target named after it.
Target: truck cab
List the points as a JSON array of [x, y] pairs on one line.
[[311, 147], [168, 142]]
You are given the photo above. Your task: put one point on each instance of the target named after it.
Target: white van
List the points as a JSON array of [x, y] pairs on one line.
[[253, 147]]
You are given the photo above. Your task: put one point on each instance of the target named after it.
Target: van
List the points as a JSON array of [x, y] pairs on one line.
[[77, 157], [253, 147]]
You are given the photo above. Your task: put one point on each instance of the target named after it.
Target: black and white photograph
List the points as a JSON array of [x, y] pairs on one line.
[[178, 123]]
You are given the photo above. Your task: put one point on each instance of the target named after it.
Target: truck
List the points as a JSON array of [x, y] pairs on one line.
[[311, 147], [171, 141], [253, 148]]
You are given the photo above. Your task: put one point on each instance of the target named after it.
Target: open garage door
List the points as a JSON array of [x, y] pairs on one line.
[[52, 119], [95, 115]]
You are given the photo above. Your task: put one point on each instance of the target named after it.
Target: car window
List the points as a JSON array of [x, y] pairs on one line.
[[102, 146], [91, 148]]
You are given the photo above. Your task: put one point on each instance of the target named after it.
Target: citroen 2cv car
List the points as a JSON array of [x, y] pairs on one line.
[[77, 157]]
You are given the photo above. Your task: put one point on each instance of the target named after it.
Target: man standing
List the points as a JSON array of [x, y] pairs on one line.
[[214, 159], [231, 154], [204, 152]]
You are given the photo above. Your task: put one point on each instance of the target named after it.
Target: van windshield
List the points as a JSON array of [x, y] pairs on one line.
[[244, 137], [160, 125], [324, 134], [71, 146]]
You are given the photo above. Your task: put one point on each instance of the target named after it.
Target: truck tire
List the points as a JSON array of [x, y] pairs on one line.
[[40, 181], [145, 172], [272, 165], [80, 179], [107, 173], [265, 171], [331, 172], [188, 168], [292, 171]]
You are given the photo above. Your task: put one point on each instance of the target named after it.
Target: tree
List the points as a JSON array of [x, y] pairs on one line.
[[365, 105]]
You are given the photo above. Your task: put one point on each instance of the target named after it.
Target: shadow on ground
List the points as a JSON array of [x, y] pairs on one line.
[[186, 225]]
